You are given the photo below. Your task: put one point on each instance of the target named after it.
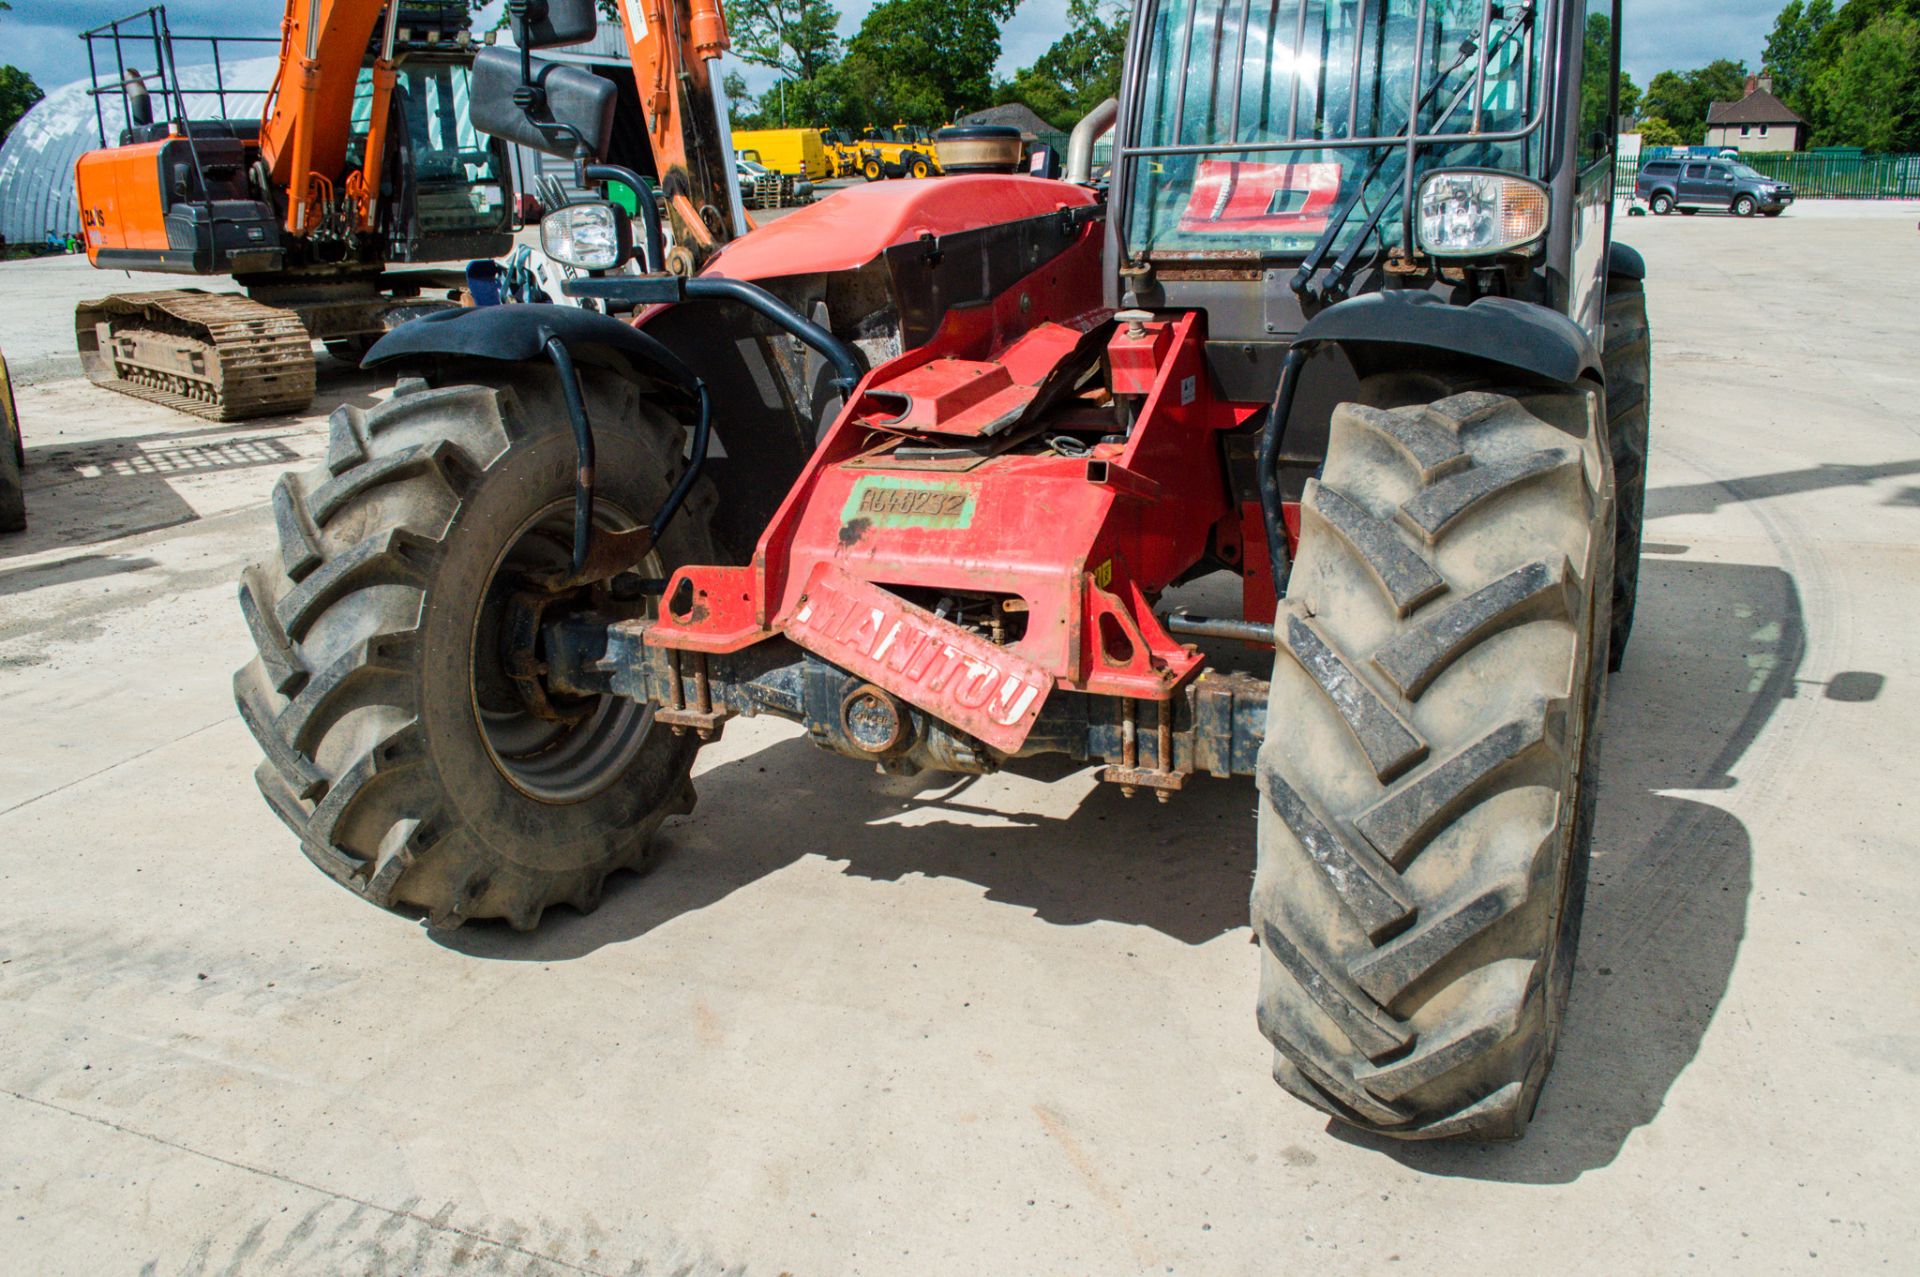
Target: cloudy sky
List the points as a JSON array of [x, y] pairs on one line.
[[39, 35]]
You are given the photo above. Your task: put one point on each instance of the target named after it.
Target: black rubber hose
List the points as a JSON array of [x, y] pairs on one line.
[[583, 450], [1271, 436], [702, 428]]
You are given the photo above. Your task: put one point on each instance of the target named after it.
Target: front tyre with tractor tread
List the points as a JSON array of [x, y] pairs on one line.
[[1628, 357], [872, 171], [397, 744], [1424, 799]]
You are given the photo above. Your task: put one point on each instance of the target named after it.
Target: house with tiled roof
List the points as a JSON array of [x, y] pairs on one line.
[[1757, 122]]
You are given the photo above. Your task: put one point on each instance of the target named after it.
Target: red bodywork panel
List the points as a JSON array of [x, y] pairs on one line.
[[1081, 544], [854, 225], [982, 688], [1242, 197]]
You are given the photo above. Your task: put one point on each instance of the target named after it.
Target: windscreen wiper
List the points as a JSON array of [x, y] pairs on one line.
[[1317, 255]]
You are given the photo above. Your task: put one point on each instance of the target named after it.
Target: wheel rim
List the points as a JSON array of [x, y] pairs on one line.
[[549, 761]]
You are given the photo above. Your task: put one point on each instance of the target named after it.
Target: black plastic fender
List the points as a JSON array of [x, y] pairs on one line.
[[1625, 262], [519, 334], [1500, 330]]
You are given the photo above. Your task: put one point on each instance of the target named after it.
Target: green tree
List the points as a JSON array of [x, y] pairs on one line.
[[1629, 98], [1869, 95], [1681, 98], [923, 61], [18, 93], [742, 108], [1655, 131], [1080, 70], [1790, 48], [794, 37]]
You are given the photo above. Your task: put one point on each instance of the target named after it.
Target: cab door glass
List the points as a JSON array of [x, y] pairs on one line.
[[1598, 75]]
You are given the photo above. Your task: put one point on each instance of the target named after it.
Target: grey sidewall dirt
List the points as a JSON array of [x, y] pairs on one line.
[[519, 828]]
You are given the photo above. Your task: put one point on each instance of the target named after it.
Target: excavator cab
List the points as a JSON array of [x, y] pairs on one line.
[[458, 176]]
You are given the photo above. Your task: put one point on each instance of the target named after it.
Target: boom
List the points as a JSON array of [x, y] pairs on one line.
[[305, 131], [673, 44]]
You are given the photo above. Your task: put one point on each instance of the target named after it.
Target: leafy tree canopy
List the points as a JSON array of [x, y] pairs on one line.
[[925, 61], [1681, 98], [795, 37], [1868, 94], [1080, 70], [18, 93]]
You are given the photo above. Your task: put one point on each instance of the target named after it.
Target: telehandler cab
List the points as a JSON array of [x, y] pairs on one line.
[[914, 467]]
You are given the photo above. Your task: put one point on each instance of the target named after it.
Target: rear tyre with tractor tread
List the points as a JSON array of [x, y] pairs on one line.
[[1629, 371], [13, 458], [872, 171], [1424, 800], [1661, 203], [13, 496], [919, 167], [396, 745]]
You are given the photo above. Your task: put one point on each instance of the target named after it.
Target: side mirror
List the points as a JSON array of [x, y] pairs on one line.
[[572, 104], [549, 24]]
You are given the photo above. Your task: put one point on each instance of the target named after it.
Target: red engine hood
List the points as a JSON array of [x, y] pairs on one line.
[[854, 225]]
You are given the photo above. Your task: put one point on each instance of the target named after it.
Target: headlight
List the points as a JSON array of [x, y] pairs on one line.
[[1465, 214], [590, 236]]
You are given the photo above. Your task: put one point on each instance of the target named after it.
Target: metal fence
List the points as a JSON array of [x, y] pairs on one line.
[[1814, 174]]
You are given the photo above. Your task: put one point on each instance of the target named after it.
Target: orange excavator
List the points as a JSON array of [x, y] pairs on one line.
[[364, 156]]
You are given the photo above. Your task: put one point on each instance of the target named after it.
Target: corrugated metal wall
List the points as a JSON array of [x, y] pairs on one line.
[[36, 164]]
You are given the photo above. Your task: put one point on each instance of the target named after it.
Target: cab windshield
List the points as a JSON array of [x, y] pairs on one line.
[[1260, 122], [454, 167]]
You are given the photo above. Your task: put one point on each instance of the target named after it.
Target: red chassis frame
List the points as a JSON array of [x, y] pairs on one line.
[[1081, 544]]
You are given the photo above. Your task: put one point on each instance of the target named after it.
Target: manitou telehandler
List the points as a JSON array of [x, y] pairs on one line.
[[363, 157], [917, 467]]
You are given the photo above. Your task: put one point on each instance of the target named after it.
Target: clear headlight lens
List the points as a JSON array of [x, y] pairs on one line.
[[1476, 214], [585, 236]]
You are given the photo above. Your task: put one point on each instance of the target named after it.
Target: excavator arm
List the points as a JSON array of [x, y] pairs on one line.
[[307, 127], [674, 45]]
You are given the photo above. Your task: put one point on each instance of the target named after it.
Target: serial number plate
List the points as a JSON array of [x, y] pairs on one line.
[[897, 503]]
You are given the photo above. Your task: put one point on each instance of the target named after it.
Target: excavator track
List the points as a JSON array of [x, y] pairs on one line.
[[217, 355]]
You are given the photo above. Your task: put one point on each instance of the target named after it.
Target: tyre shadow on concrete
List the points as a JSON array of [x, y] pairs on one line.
[[1183, 869], [1717, 647], [87, 492], [1712, 494]]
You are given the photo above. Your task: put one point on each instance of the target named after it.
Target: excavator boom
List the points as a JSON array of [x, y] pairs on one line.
[[674, 45]]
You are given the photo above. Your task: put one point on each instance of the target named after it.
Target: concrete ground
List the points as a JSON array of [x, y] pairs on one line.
[[985, 1026]]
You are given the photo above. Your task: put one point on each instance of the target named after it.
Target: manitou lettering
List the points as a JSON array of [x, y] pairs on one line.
[[945, 670]]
